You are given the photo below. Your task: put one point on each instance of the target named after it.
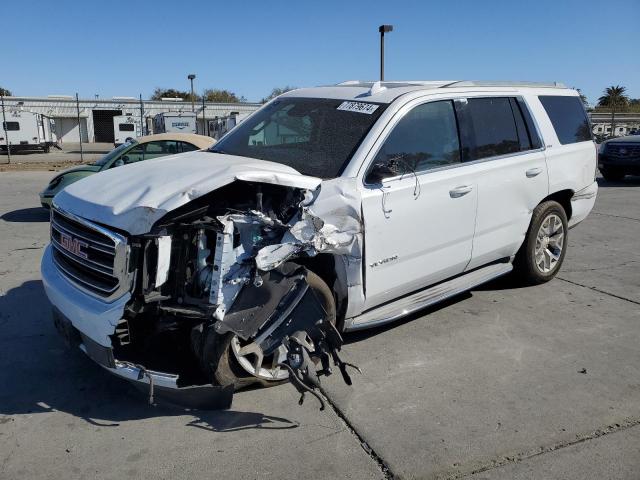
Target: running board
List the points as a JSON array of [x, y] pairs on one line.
[[425, 298]]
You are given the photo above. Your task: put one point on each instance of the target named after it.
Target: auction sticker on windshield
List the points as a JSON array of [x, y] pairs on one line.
[[359, 107]]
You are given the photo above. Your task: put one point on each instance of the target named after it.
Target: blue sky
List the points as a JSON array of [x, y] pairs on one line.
[[123, 48]]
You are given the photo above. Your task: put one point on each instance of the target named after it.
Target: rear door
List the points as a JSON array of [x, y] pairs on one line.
[[503, 147]]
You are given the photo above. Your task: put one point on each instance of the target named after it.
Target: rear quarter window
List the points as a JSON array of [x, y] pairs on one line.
[[568, 118], [11, 126]]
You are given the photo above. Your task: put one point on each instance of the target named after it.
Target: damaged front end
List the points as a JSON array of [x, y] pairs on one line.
[[236, 288]]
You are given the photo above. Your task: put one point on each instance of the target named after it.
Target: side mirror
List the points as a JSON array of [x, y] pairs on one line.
[[121, 161], [379, 171]]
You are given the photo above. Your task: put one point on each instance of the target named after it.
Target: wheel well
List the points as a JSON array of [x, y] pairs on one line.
[[326, 267], [563, 197]]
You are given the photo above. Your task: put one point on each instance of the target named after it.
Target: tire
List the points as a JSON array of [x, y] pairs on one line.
[[218, 360], [612, 175], [545, 245]]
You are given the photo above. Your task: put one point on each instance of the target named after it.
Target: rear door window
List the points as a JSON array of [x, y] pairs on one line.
[[11, 126], [568, 118], [126, 127], [425, 138], [490, 128]]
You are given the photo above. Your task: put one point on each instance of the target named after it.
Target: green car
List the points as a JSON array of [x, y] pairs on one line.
[[139, 149]]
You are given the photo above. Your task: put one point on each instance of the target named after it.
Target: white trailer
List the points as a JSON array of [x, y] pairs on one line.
[[24, 130], [175, 122], [221, 125], [125, 127]]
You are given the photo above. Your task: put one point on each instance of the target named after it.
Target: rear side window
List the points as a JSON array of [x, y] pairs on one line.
[[491, 128], [11, 126], [126, 127], [568, 118], [425, 138]]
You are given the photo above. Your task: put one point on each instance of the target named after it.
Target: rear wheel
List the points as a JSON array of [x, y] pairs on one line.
[[612, 174], [226, 360], [545, 245]]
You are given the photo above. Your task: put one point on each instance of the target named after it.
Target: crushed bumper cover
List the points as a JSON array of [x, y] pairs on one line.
[[156, 385]]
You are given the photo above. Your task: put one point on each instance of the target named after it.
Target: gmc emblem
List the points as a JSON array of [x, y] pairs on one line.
[[73, 245]]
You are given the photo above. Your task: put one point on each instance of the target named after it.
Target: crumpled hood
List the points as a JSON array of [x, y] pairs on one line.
[[134, 197]]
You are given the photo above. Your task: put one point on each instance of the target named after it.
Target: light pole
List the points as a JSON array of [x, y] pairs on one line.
[[383, 29], [191, 77]]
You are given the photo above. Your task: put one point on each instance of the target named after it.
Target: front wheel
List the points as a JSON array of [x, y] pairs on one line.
[[545, 245], [225, 362]]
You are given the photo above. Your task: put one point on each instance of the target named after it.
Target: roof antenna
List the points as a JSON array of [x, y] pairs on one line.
[[375, 88]]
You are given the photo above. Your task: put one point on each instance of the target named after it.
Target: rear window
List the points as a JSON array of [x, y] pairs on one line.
[[568, 118], [126, 127], [11, 126]]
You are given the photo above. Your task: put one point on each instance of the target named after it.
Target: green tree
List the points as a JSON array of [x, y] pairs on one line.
[[5, 93], [217, 95], [277, 91], [160, 93], [616, 99], [583, 97]]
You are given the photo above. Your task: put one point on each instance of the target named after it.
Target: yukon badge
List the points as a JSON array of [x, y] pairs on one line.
[[73, 245], [383, 261]]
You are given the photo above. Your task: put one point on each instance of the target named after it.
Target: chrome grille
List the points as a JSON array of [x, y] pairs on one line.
[[92, 257], [623, 150]]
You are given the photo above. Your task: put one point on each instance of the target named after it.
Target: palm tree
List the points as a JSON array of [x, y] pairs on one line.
[[613, 98]]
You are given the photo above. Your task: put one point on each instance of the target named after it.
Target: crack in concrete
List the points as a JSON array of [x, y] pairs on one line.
[[519, 457], [599, 291], [582, 270], [384, 467], [616, 216]]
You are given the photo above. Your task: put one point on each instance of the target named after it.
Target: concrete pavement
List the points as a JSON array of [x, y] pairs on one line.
[[503, 382]]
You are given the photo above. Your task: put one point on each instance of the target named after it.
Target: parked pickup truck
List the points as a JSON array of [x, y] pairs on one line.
[[330, 209]]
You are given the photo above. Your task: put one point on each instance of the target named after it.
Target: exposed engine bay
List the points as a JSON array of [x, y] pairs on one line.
[[234, 288]]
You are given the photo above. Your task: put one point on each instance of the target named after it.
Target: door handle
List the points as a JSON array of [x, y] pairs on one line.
[[460, 191], [532, 172]]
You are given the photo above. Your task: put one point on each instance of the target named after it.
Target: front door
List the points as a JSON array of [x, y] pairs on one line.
[[419, 221]]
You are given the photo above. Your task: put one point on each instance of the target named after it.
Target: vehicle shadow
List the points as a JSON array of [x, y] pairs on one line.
[[505, 282], [628, 181], [27, 215], [360, 335], [40, 374]]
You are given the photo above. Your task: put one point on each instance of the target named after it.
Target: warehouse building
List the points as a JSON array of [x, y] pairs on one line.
[[96, 116]]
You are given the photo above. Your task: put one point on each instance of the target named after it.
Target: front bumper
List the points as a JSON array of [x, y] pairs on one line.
[[159, 384], [631, 164], [87, 323]]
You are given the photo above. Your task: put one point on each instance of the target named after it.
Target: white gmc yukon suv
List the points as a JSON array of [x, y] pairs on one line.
[[329, 209]]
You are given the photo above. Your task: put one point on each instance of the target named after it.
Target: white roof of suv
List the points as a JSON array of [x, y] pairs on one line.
[[388, 91]]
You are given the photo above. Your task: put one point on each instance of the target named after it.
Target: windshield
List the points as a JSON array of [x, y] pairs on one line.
[[114, 153], [316, 136]]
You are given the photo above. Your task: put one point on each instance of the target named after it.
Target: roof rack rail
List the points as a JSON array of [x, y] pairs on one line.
[[481, 83]]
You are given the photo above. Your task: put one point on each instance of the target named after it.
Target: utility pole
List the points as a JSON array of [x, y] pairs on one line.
[[191, 77], [4, 125], [141, 116], [383, 29], [79, 128], [204, 118]]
